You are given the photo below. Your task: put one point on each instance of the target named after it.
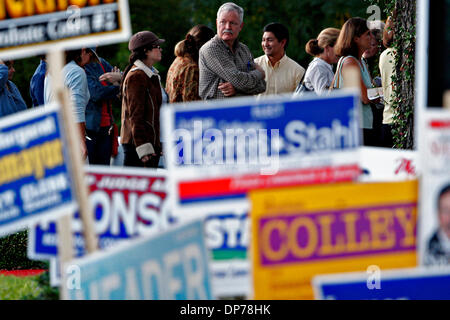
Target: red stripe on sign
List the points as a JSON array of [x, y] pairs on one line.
[[22, 273], [242, 184], [440, 124]]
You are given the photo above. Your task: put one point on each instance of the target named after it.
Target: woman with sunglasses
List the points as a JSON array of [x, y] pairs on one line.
[[142, 97]]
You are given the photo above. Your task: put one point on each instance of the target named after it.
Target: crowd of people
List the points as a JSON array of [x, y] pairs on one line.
[[209, 65]]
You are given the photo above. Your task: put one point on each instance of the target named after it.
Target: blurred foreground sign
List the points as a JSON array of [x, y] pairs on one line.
[[35, 178], [29, 27], [301, 232], [222, 150], [127, 203], [227, 236], [384, 164], [170, 266], [434, 222], [403, 284]]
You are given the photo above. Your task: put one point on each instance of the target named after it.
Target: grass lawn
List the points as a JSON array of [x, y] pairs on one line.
[[19, 288]]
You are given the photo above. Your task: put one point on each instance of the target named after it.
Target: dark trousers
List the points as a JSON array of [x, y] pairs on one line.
[[386, 136], [369, 138], [99, 146], [131, 158], [377, 124]]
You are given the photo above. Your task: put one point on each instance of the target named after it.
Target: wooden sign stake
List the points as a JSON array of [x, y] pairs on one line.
[[446, 99], [65, 241]]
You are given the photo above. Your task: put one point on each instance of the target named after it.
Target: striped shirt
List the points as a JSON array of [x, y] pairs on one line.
[[219, 64]]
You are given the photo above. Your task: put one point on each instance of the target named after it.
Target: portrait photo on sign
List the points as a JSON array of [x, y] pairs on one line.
[[434, 225]]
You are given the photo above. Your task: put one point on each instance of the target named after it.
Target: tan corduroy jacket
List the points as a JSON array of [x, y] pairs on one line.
[[141, 103]]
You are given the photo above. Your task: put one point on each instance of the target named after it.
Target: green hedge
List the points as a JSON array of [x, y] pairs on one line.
[[13, 253]]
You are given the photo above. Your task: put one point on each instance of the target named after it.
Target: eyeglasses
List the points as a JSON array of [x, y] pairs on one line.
[[224, 23], [156, 47]]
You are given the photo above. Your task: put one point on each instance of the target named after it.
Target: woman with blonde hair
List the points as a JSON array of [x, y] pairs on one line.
[[355, 38], [183, 75], [319, 75]]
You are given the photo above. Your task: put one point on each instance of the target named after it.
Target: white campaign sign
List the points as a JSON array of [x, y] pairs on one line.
[[434, 149]]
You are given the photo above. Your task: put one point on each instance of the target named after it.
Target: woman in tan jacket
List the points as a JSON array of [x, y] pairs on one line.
[[142, 97]]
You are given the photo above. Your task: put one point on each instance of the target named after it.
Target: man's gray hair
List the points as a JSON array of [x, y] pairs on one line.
[[230, 6]]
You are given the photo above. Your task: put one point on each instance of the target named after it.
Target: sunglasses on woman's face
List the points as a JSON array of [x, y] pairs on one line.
[[156, 47]]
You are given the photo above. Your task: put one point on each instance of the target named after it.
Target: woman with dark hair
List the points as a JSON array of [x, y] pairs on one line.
[[183, 75], [319, 75], [142, 97], [355, 38]]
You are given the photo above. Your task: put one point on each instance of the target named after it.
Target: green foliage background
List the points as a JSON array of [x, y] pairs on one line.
[[171, 19]]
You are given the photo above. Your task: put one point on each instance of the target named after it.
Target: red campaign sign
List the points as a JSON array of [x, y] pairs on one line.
[[128, 202], [192, 190], [440, 124]]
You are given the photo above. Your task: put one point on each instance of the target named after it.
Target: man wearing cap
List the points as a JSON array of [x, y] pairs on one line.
[[142, 97], [226, 65], [99, 115]]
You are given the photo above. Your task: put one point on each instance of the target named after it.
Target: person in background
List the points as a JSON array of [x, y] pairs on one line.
[[99, 116], [11, 100], [37, 83], [282, 73], [227, 68], [319, 75], [370, 61], [387, 70], [75, 80], [183, 75], [371, 56], [354, 39], [142, 97], [438, 248]]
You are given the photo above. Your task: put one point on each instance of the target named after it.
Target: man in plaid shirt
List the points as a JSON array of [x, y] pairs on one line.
[[226, 65]]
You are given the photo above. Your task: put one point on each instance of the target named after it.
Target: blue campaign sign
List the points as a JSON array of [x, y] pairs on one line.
[[127, 203], [170, 266], [230, 131], [406, 284], [35, 179], [269, 142]]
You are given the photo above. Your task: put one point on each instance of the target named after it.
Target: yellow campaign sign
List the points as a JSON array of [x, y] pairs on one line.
[[301, 232], [31, 27]]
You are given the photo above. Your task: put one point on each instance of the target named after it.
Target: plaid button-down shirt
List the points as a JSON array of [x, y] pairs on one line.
[[219, 64]]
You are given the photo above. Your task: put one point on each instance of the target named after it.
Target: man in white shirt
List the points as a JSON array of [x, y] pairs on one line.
[[282, 73]]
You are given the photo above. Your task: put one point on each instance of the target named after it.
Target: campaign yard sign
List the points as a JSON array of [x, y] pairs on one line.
[[384, 164], [403, 284], [35, 177], [169, 266], [219, 151], [127, 203], [227, 237], [31, 27], [298, 233]]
